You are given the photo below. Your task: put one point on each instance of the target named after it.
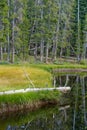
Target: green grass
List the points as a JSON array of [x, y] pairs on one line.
[[20, 76], [14, 77], [49, 67], [30, 97]]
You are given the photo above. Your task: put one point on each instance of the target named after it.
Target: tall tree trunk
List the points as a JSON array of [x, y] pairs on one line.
[[1, 52], [54, 50], [41, 50], [61, 52], [13, 24], [8, 56], [47, 52], [35, 51], [42, 42], [13, 49], [55, 41], [78, 48]]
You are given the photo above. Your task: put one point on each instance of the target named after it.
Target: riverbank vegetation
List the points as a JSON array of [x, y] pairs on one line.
[[23, 76], [14, 77], [30, 101]]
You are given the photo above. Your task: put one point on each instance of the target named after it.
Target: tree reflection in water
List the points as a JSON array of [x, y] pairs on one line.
[[72, 115]]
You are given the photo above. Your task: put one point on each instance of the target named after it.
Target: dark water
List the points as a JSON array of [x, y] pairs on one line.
[[70, 115]]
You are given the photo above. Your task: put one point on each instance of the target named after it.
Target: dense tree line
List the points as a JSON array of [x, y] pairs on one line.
[[42, 28]]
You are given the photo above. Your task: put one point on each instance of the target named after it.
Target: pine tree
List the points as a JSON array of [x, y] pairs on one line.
[[3, 26]]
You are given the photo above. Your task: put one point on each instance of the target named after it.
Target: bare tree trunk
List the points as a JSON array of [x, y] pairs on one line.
[[60, 81], [8, 56], [61, 52], [54, 81], [54, 50], [67, 80], [35, 51], [78, 49], [13, 24], [1, 52], [47, 52], [42, 41], [55, 41], [13, 49], [41, 50]]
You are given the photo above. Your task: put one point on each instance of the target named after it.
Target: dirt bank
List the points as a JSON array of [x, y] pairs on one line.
[[8, 108]]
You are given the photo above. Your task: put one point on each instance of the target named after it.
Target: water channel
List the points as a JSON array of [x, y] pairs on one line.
[[71, 114]]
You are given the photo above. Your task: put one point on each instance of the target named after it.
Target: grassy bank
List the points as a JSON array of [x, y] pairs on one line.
[[29, 97], [30, 101], [14, 77], [29, 75], [49, 67]]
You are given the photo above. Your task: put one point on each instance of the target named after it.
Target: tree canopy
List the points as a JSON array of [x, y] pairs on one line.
[[42, 28]]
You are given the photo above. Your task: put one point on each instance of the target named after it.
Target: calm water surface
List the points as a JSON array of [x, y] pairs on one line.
[[70, 115]]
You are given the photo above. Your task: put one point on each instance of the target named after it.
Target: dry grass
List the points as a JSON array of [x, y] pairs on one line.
[[17, 77]]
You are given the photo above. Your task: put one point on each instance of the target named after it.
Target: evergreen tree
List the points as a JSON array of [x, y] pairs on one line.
[[42, 28]]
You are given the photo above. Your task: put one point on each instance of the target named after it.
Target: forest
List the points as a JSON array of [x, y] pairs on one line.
[[44, 29]]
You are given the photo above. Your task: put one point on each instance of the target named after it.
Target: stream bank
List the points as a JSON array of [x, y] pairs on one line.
[[28, 101]]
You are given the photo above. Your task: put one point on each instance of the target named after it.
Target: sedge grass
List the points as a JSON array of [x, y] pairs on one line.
[[49, 67], [14, 77], [30, 97]]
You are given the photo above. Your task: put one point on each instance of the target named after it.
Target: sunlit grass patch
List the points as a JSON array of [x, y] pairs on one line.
[[18, 77], [35, 75]]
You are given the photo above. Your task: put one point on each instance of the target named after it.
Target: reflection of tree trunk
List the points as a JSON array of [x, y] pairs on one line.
[[64, 109], [54, 82], [74, 119], [60, 81], [65, 115], [67, 79], [76, 100], [83, 95]]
